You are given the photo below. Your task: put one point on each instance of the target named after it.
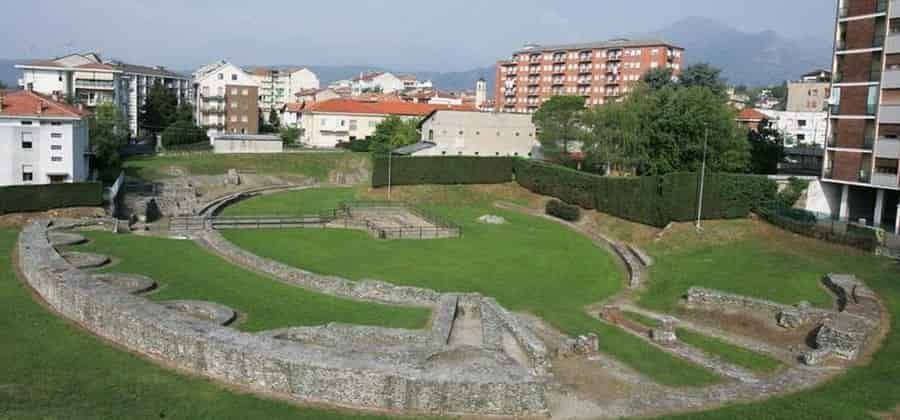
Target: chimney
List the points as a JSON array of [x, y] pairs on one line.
[[40, 107]]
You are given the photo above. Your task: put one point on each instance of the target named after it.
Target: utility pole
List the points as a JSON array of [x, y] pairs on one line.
[[390, 155], [702, 179]]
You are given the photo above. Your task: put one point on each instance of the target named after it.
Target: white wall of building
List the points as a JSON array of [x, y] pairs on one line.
[[479, 134], [58, 147], [232, 146], [800, 127], [326, 130], [210, 83]]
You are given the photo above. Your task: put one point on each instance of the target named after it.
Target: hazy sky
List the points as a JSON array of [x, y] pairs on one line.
[[404, 34]]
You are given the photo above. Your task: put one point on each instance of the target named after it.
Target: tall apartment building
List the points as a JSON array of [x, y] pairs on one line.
[[860, 175], [135, 83], [227, 99], [277, 87], [598, 71]]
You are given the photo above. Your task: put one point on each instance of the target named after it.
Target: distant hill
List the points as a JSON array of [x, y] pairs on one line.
[[9, 74], [753, 59]]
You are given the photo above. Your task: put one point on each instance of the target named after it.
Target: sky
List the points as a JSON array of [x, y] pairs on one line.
[[415, 35]]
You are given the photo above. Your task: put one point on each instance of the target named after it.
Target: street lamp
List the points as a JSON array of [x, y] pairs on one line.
[[390, 155], [702, 178]]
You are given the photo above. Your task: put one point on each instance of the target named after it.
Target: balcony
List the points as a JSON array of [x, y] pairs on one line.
[[864, 176], [888, 148], [584, 81], [890, 114], [885, 179], [614, 57], [94, 84], [612, 80], [892, 45], [871, 109], [828, 173], [868, 143], [559, 58], [845, 11], [585, 58], [213, 111]]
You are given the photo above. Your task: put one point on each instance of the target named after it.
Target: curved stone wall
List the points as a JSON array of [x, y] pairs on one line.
[[489, 384]]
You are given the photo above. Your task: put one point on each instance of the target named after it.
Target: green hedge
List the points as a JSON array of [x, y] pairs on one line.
[[442, 170], [24, 198], [651, 200], [804, 223], [563, 211]]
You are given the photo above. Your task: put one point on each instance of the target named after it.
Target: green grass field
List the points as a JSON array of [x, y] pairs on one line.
[[314, 165], [735, 355], [530, 264], [294, 204], [186, 271]]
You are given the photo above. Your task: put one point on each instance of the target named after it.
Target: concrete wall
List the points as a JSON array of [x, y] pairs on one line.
[[479, 134], [247, 146]]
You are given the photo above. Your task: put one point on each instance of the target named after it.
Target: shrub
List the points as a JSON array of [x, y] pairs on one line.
[[442, 170], [355, 145], [183, 132], [22, 198], [563, 211]]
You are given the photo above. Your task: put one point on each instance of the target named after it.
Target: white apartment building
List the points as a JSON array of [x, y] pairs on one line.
[[376, 82], [136, 82], [226, 99], [279, 87], [800, 128], [81, 77], [470, 133], [42, 140]]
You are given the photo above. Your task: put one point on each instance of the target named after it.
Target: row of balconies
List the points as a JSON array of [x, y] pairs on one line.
[[880, 7], [95, 84]]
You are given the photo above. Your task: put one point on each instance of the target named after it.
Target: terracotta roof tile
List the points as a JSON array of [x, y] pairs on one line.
[[24, 103], [350, 106], [750, 114]]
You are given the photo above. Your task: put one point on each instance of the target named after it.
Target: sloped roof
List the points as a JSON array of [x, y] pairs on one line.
[[612, 43], [350, 106], [750, 114], [413, 148], [25, 103], [147, 70]]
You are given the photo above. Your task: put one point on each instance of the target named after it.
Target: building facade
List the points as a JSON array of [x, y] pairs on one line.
[[381, 82], [76, 77], [863, 149], [800, 128], [600, 71], [42, 140], [278, 87], [470, 133], [135, 83], [807, 96], [247, 144], [226, 100]]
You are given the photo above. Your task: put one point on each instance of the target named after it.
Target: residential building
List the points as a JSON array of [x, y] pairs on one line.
[[226, 99], [277, 87], [860, 176], [326, 124], [382, 82], [800, 128], [471, 133], [315, 95], [807, 96], [246, 143], [480, 93], [598, 71], [42, 140], [135, 83], [751, 118], [820, 75], [75, 77], [738, 101]]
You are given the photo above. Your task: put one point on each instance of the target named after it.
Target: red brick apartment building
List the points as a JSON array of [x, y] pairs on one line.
[[598, 71], [860, 174]]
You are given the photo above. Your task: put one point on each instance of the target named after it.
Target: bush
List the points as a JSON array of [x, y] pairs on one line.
[[183, 132], [356, 145], [563, 211], [804, 223], [22, 198], [442, 170]]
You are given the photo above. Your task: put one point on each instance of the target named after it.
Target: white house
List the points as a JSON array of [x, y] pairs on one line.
[[326, 124], [378, 81], [800, 128], [83, 77], [226, 99], [246, 143], [470, 133], [279, 87], [42, 140]]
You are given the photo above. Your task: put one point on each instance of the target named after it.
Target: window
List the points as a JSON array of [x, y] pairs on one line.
[[461, 132], [221, 76], [234, 91], [27, 142], [26, 123], [55, 123], [244, 118], [801, 137], [55, 135], [233, 77], [27, 173], [234, 118], [517, 134], [56, 159], [353, 125], [245, 92], [431, 135], [476, 153], [55, 147], [801, 123]]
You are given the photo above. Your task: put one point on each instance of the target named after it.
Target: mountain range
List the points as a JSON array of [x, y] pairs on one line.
[[752, 59]]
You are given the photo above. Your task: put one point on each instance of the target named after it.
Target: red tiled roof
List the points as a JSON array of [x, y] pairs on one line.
[[25, 103], [44, 63], [349, 106], [368, 76], [294, 106], [750, 114]]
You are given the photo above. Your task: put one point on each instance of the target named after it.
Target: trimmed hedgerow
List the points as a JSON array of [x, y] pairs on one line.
[[442, 170], [22, 198], [563, 211]]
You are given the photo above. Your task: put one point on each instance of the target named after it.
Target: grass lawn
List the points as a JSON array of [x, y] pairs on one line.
[[315, 165], [186, 271], [734, 259], [294, 203], [53, 370], [530, 264], [730, 353]]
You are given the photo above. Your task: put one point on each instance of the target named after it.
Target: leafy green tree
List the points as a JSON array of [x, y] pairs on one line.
[[160, 109], [703, 75], [659, 78], [766, 149], [289, 135], [108, 131], [559, 124], [183, 132], [611, 139], [184, 113], [394, 132], [274, 121]]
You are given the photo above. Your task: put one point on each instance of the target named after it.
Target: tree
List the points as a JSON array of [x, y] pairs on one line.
[[394, 132], [659, 78], [274, 121], [183, 132], [108, 131], [289, 135], [184, 113], [703, 75], [766, 149], [160, 109], [559, 121]]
